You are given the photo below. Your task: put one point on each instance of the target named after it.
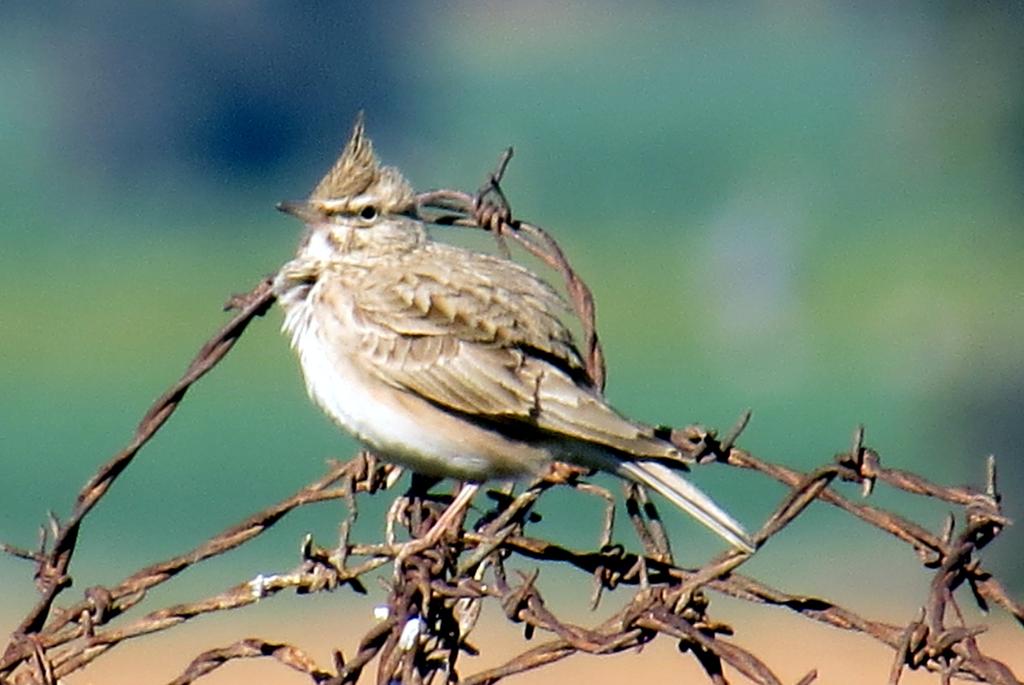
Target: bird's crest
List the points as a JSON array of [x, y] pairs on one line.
[[358, 171]]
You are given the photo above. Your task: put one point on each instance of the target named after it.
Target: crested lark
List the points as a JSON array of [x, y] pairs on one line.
[[451, 362]]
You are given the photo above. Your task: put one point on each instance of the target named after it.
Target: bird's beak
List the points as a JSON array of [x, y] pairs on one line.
[[304, 210]]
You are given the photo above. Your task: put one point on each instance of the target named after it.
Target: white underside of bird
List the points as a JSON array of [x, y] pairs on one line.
[[369, 411]]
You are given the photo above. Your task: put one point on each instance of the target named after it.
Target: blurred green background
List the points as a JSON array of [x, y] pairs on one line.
[[813, 210]]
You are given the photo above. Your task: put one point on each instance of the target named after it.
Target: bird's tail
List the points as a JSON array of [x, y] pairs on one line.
[[687, 497]]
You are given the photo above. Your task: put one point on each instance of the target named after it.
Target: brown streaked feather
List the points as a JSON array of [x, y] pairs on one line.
[[443, 291], [481, 337]]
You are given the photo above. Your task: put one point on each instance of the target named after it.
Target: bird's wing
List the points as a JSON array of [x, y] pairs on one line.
[[456, 327], [482, 336]]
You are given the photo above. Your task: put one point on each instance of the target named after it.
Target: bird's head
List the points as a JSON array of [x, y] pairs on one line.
[[358, 206]]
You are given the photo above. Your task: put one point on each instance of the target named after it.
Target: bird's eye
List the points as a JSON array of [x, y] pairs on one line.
[[369, 212]]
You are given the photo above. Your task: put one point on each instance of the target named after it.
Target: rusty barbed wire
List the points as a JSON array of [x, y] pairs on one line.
[[435, 594], [51, 571]]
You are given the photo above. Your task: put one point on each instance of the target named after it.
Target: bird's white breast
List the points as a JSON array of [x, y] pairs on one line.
[[368, 408], [333, 382]]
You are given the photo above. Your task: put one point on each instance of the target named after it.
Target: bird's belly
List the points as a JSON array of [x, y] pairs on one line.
[[403, 430]]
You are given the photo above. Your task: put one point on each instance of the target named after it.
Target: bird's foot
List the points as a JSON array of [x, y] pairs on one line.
[[449, 520]]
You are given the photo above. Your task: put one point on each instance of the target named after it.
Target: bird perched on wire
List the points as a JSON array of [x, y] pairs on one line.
[[450, 362]]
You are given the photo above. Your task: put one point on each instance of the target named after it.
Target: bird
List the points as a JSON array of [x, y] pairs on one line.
[[451, 362]]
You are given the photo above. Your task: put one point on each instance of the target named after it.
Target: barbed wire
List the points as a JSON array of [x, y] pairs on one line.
[[436, 594]]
